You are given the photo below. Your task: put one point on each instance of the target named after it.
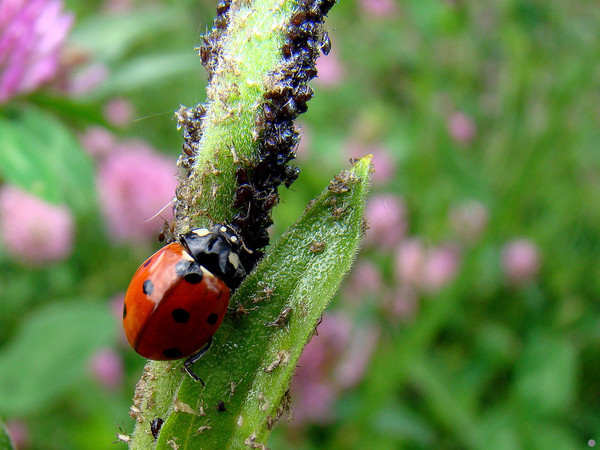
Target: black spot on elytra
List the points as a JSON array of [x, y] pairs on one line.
[[148, 287], [193, 277], [182, 267], [124, 310], [212, 319], [172, 353], [180, 315]]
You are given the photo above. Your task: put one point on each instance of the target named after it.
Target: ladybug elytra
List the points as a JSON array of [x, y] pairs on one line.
[[179, 296]]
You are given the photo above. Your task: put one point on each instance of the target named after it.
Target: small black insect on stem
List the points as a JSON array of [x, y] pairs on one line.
[[285, 98], [275, 136]]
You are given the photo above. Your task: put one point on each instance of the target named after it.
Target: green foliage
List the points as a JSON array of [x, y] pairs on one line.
[[127, 31], [478, 364], [41, 155], [50, 353]]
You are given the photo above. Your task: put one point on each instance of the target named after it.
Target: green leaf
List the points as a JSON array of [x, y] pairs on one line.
[[498, 429], [50, 353], [146, 72], [39, 154], [546, 376], [255, 353], [546, 435], [5, 442], [110, 37]]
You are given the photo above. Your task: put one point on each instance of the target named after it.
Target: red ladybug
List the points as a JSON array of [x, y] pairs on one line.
[[178, 297]]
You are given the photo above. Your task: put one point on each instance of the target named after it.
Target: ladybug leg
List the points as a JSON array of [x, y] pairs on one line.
[[187, 365]]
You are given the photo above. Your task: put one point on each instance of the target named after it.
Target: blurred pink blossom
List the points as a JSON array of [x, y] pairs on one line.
[[87, 79], [520, 261], [403, 303], [440, 268], [312, 402], [32, 34], [469, 220], [18, 432], [106, 366], [354, 360], [119, 112], [379, 8], [331, 70], [410, 260], [98, 141], [383, 162], [118, 6], [461, 128], [365, 280], [426, 269], [333, 360], [135, 186], [33, 231], [387, 219]]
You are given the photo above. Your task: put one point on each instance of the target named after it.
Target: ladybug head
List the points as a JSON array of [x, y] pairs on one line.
[[218, 251]]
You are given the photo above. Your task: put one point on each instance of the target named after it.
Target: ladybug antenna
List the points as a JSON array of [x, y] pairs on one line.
[[246, 248], [161, 210]]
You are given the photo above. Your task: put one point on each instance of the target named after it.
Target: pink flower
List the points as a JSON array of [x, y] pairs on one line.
[[403, 304], [355, 358], [106, 366], [379, 8], [32, 34], [87, 79], [333, 360], [312, 402], [117, 6], [33, 231], [461, 128], [520, 261], [365, 280], [410, 260], [119, 112], [331, 70], [387, 219], [441, 266], [469, 220], [98, 141], [426, 269], [135, 184]]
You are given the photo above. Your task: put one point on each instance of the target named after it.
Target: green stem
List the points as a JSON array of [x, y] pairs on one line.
[[244, 56], [249, 50]]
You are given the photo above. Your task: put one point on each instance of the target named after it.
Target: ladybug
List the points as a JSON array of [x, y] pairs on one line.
[[179, 296]]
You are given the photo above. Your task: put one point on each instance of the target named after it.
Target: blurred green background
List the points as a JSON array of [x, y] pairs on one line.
[[471, 319]]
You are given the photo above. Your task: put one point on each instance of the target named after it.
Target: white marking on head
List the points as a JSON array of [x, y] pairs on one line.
[[187, 256], [233, 239], [223, 229], [234, 259], [201, 232]]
